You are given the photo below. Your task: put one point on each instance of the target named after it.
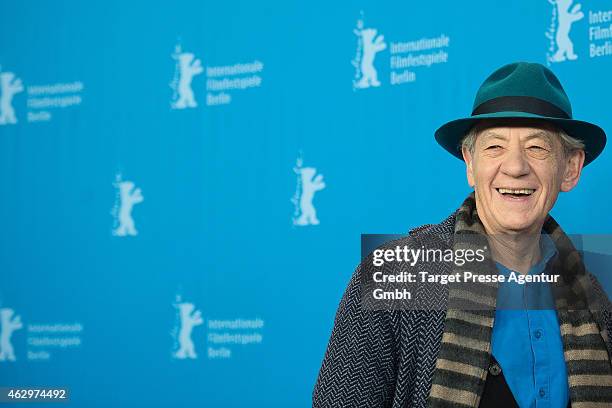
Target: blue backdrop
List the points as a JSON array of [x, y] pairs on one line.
[[184, 184]]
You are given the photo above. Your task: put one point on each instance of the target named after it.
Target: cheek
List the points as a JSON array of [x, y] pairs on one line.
[[551, 183], [484, 174]]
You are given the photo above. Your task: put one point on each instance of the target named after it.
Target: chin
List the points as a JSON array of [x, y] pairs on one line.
[[513, 219], [517, 223]]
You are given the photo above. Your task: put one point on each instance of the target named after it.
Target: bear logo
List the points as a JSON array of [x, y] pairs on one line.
[[8, 324], [128, 197], [307, 185], [9, 86], [369, 43], [187, 66], [189, 318], [566, 16]]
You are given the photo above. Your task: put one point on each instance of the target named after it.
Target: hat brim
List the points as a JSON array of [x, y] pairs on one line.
[[449, 135]]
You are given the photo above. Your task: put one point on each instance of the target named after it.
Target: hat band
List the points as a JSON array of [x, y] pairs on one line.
[[526, 104]]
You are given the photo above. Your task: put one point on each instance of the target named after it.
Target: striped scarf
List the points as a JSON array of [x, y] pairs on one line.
[[465, 352]]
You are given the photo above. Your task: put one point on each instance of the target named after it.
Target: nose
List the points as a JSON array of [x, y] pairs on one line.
[[515, 162]]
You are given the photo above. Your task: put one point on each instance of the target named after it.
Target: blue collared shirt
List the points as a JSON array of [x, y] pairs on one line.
[[526, 340]]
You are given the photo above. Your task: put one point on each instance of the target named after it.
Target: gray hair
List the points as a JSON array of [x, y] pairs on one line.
[[569, 144]]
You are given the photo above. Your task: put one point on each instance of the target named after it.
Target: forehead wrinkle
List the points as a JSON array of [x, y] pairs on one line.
[[489, 134], [545, 134]]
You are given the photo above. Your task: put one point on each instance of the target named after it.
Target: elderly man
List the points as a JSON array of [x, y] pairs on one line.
[[521, 148]]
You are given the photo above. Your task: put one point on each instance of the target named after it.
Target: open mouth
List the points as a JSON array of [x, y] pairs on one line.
[[516, 193]]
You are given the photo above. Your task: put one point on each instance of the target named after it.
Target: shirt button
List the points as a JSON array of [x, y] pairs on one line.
[[537, 333], [495, 369], [542, 392]]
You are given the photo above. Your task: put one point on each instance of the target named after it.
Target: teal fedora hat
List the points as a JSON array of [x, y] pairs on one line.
[[518, 91]]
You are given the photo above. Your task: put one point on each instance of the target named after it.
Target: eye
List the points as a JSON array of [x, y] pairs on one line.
[[492, 147], [537, 148]]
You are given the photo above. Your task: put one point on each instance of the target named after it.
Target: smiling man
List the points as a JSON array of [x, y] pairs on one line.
[[521, 148], [517, 171]]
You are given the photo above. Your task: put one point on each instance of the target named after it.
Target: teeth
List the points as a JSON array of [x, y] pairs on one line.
[[526, 191]]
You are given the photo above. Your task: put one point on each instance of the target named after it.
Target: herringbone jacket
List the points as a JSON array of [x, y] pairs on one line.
[[386, 358]]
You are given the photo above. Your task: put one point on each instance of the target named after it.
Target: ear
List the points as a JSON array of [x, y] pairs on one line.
[[573, 169], [469, 169]]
